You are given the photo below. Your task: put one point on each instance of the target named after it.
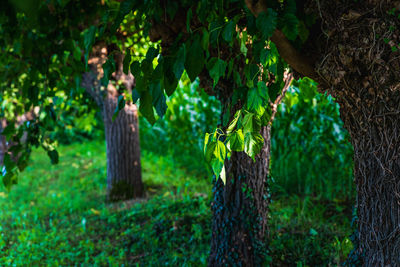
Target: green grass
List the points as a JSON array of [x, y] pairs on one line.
[[57, 216]]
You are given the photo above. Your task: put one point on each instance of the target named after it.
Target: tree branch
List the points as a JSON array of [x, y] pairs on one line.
[[296, 60]]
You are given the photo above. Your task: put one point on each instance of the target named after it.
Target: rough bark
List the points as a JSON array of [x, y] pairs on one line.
[[359, 58], [240, 210], [124, 176], [375, 135]]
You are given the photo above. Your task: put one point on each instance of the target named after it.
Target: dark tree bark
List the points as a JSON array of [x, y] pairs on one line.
[[356, 53], [375, 135], [124, 176], [240, 210], [358, 60]]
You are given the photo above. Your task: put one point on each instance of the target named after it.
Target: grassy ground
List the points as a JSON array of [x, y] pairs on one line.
[[56, 216]]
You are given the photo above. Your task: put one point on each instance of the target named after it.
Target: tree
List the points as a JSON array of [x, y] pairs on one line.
[[228, 49], [120, 119], [355, 59], [208, 47], [238, 50], [124, 175]]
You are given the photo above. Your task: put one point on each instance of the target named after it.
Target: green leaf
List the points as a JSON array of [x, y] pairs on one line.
[[230, 67], [189, 17], [141, 83], [216, 68], [151, 53], [220, 151], [228, 31], [233, 123], [308, 89], [209, 150], [290, 28], [9, 131], [217, 167], [146, 107], [108, 69], [194, 62], [236, 141], [251, 123], [126, 62], [205, 40], [135, 95], [263, 91], [303, 31], [254, 100], [237, 78], [206, 139], [159, 101], [253, 143], [266, 23], [119, 107], [135, 69], [179, 64], [88, 37], [169, 80], [252, 72], [223, 175], [243, 41], [215, 154], [215, 28], [53, 155]]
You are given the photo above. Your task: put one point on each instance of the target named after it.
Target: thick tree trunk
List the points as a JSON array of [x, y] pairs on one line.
[[240, 208], [375, 136], [124, 175]]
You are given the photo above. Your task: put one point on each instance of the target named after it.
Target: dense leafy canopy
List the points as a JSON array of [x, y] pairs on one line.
[[45, 48]]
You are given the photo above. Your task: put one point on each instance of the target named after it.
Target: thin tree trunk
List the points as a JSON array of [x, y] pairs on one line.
[[240, 209], [124, 175]]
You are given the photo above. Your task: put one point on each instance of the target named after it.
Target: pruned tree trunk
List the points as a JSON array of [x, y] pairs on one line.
[[124, 175], [240, 210]]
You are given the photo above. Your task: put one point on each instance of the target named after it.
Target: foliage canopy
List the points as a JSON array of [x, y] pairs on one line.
[[45, 48]]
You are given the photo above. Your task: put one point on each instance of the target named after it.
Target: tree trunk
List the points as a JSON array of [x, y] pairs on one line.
[[375, 135], [124, 175], [358, 58], [240, 210]]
